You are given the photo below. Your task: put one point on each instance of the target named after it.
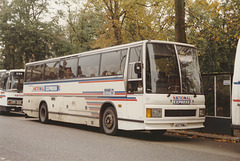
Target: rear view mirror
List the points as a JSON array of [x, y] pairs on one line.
[[138, 68]]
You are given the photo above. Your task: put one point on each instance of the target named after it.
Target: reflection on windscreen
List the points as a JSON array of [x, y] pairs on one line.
[[189, 70]]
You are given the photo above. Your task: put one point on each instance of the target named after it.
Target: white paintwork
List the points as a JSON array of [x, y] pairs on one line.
[[236, 89]]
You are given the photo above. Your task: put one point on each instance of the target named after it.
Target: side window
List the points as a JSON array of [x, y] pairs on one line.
[[88, 66], [28, 72], [37, 72], [135, 70], [68, 68], [2, 78], [113, 63], [135, 56], [51, 70]]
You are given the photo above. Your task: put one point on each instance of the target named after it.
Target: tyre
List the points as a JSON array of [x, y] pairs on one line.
[[43, 113], [109, 121]]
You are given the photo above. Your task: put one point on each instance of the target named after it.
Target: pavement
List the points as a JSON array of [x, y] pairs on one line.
[[216, 137]]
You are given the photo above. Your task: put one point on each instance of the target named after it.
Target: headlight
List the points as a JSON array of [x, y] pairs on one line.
[[14, 102], [202, 112], [154, 113]]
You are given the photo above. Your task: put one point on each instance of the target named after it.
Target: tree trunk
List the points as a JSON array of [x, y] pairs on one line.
[[180, 34]]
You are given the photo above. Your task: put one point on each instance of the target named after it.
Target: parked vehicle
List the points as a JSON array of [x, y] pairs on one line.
[[146, 85], [11, 88], [236, 91]]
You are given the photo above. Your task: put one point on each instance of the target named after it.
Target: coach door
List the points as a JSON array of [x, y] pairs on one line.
[[135, 84]]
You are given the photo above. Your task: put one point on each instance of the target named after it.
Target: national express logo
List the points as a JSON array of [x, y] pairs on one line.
[[181, 100], [49, 88]]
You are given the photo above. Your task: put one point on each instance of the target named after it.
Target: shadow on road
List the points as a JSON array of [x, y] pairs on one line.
[[138, 135], [12, 114], [147, 136]]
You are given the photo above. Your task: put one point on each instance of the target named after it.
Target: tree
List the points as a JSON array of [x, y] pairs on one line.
[[149, 20], [128, 21], [213, 27], [25, 36], [180, 21], [115, 12], [83, 26]]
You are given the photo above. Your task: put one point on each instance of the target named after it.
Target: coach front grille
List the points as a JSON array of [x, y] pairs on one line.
[[180, 113]]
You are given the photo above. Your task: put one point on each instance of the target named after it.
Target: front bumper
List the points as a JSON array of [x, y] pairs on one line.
[[10, 109]]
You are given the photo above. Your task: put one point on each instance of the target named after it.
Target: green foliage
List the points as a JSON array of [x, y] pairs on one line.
[[83, 27], [25, 37], [150, 20], [212, 26], [128, 21]]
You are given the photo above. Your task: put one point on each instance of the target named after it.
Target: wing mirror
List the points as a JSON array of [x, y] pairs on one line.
[[138, 68]]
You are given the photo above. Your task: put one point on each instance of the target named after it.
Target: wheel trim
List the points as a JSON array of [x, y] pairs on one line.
[[109, 121]]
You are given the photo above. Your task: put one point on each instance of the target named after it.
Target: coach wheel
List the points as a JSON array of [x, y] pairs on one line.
[[109, 121], [43, 113]]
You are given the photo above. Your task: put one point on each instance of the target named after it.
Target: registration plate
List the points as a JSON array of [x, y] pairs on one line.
[[180, 125]]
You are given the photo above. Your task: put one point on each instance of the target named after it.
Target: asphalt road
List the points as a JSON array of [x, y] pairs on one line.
[[28, 140]]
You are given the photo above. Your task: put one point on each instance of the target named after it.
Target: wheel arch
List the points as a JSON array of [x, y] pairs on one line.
[[41, 102]]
